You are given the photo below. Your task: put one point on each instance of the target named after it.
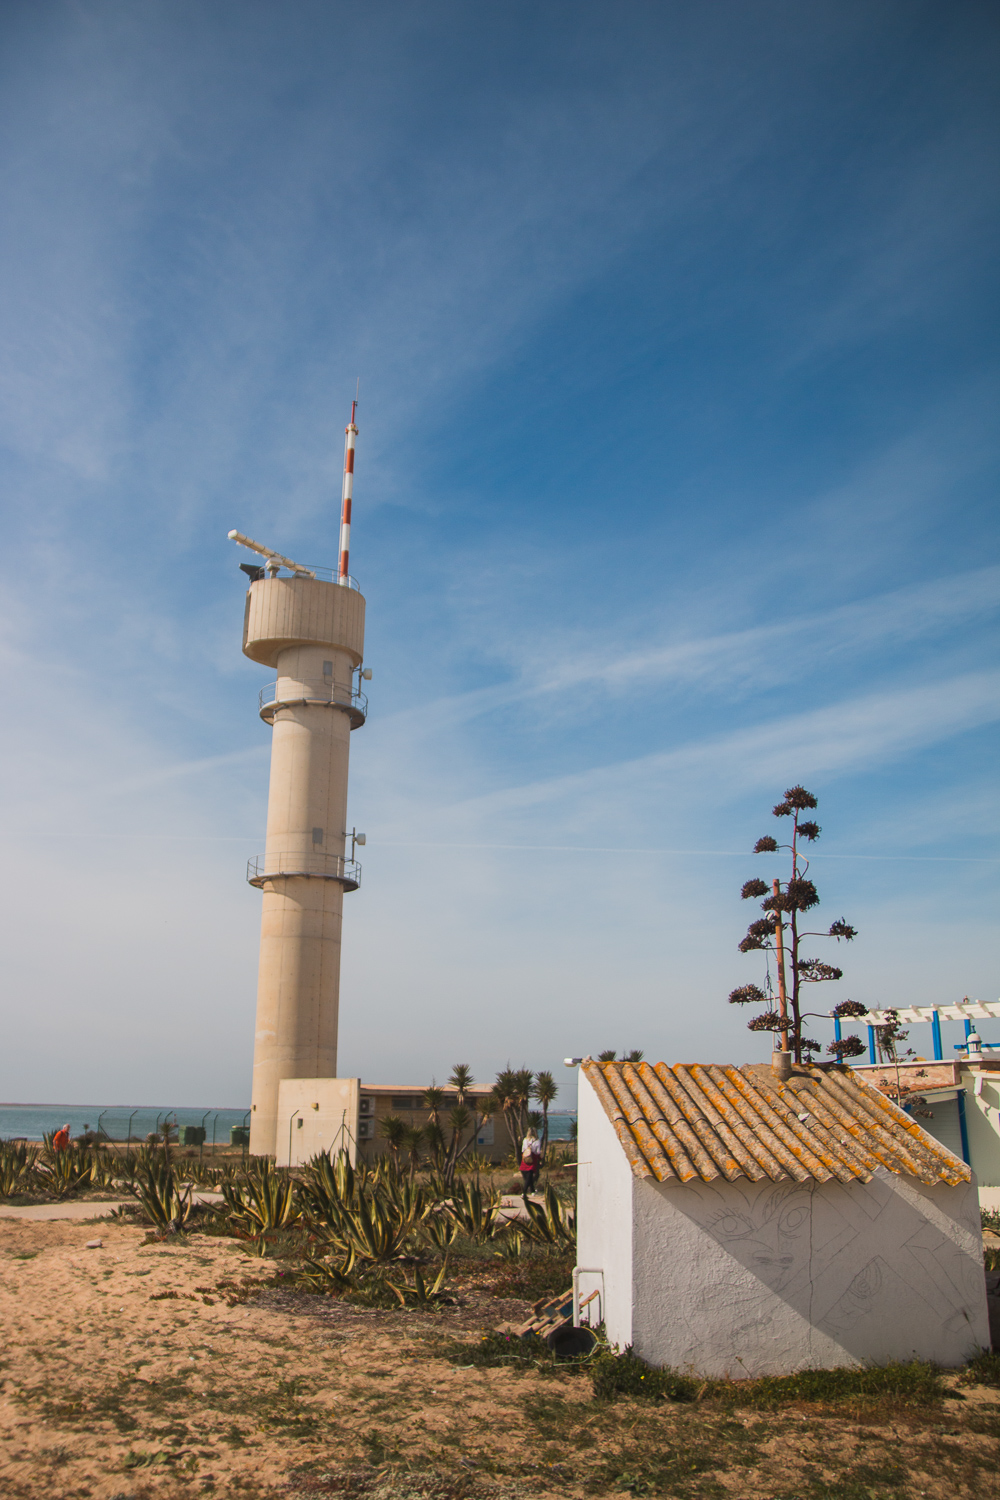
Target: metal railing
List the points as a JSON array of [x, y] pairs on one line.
[[314, 866], [325, 575], [300, 691]]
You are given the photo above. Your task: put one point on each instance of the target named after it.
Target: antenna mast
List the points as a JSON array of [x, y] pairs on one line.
[[351, 433]]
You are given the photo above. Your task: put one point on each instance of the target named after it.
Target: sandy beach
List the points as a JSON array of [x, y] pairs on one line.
[[182, 1368]]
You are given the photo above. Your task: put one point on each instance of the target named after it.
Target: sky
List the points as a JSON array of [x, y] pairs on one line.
[[675, 328]]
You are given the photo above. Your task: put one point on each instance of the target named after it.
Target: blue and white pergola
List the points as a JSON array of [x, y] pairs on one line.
[[963, 1010]]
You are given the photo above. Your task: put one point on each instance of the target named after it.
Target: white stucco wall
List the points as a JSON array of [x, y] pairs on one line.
[[746, 1279], [604, 1215], [328, 1109], [982, 1123]]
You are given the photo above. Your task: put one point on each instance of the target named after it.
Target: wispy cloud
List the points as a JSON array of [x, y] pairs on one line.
[[853, 735], [761, 657]]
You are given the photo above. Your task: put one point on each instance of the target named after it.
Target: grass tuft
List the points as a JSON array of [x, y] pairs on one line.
[[983, 1369], [494, 1350], [914, 1383], [625, 1374]]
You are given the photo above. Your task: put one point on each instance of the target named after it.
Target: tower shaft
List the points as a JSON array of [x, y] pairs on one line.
[[312, 632]]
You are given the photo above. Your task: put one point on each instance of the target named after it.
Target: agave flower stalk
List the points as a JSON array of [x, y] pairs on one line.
[[777, 932]]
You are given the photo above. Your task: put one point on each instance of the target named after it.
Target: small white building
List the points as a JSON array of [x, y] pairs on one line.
[[737, 1226]]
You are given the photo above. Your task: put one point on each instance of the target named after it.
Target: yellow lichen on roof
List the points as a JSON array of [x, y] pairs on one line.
[[710, 1121]]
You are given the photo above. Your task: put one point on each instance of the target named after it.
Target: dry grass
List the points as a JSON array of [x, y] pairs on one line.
[[185, 1369]]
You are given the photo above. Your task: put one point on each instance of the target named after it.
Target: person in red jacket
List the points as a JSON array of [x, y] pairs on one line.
[[60, 1141], [531, 1160]]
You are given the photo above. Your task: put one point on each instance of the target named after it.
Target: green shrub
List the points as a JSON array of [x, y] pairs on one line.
[[983, 1369], [990, 1218], [625, 1374]]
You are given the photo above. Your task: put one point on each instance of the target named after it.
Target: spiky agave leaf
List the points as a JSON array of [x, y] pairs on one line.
[[474, 1212], [549, 1224], [160, 1198]]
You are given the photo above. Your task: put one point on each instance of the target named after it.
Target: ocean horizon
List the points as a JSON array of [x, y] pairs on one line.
[[119, 1122], [123, 1122]]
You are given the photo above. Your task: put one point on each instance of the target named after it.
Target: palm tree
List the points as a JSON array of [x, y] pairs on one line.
[[434, 1100], [512, 1095], [545, 1091], [461, 1081], [412, 1142], [394, 1131], [460, 1118]]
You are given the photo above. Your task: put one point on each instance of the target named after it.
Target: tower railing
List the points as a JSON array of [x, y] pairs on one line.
[[312, 866], [325, 575], [311, 691]]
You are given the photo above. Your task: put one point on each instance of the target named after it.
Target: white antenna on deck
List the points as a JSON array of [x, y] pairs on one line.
[[274, 559]]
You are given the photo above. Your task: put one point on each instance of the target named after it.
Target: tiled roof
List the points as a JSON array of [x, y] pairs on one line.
[[694, 1122]]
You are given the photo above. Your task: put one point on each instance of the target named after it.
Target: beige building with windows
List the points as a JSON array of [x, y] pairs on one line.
[[380, 1100], [326, 1115]]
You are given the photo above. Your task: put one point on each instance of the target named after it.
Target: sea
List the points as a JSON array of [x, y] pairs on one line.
[[122, 1122], [119, 1122]]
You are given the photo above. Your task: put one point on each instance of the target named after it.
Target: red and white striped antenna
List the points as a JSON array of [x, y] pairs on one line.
[[351, 433]]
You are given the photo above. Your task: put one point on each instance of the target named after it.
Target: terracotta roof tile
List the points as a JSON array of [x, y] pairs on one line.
[[710, 1121]]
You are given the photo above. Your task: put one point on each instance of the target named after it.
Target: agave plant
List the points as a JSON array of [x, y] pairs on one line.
[[161, 1200], [511, 1243], [65, 1172], [375, 1231], [329, 1185], [420, 1294], [104, 1170], [324, 1276], [17, 1167], [549, 1223], [473, 1211], [440, 1231], [263, 1201]]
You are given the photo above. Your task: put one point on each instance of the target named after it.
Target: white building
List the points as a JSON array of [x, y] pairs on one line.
[[962, 1096], [734, 1225]]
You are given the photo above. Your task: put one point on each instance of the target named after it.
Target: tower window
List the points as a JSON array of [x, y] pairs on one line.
[[317, 835]]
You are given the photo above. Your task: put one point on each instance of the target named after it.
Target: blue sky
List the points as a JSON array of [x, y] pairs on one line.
[[676, 330]]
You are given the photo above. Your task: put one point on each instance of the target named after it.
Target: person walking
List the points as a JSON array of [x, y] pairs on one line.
[[531, 1160], [60, 1141]]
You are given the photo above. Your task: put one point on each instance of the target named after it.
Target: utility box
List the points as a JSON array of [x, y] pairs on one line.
[[239, 1135], [316, 1116], [192, 1135]]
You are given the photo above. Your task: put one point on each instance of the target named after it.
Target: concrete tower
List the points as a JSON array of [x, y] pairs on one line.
[[312, 632]]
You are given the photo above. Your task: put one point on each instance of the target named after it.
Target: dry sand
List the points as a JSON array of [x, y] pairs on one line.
[[139, 1370]]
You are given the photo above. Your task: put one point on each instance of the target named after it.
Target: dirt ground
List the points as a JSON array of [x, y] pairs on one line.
[[183, 1369]]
